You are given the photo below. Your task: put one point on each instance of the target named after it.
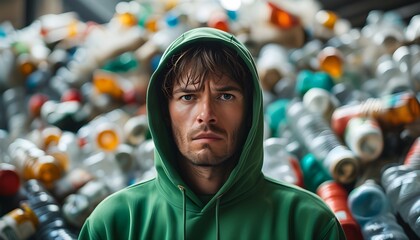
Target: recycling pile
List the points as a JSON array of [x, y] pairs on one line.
[[341, 105]]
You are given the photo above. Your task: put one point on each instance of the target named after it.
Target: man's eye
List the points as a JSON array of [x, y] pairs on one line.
[[226, 96], [187, 97]]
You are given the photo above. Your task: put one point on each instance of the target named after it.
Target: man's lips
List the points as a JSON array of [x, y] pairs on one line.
[[207, 136]]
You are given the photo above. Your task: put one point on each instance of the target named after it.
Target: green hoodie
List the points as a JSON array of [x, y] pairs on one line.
[[247, 206]]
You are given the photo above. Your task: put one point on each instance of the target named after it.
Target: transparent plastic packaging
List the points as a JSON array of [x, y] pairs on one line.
[[336, 197], [19, 224], [402, 186], [368, 201], [316, 135], [279, 164]]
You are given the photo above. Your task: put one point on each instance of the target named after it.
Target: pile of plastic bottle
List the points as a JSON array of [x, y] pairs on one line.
[[341, 107]]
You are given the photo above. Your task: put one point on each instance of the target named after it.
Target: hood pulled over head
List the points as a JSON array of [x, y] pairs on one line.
[[248, 168]]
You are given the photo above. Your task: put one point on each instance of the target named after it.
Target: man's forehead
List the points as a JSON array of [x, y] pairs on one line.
[[213, 80]]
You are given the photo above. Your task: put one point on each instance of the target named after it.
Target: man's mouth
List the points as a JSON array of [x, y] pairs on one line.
[[207, 136]]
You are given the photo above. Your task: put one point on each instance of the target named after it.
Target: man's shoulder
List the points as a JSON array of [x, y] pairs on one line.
[[137, 190], [286, 190]]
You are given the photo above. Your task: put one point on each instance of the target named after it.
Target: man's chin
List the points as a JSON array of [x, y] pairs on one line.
[[207, 158]]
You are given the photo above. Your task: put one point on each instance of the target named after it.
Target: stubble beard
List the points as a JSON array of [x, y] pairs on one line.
[[205, 156]]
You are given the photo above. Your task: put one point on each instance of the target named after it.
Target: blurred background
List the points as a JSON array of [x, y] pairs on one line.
[[22, 12], [341, 90]]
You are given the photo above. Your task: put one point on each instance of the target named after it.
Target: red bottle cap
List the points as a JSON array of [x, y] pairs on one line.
[[35, 103], [9, 180], [341, 116], [219, 21], [71, 95]]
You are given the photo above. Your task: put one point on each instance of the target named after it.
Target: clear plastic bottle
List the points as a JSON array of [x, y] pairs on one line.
[[368, 201], [72, 181], [52, 225], [391, 111], [104, 132], [273, 65], [16, 116], [347, 94], [144, 155], [324, 24], [320, 101], [384, 226], [78, 206], [404, 57], [364, 137], [402, 186], [279, 164], [69, 144], [389, 75], [4, 145], [136, 129], [371, 208], [104, 167], [34, 163], [19, 224], [316, 135]]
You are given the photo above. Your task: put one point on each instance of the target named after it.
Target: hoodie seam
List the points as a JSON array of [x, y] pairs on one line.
[[328, 229]]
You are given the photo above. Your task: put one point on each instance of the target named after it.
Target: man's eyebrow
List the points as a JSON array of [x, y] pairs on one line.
[[222, 88], [184, 90], [228, 88]]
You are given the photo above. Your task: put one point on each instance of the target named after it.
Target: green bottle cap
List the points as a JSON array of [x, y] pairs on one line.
[[123, 63], [314, 174], [307, 79], [276, 115]]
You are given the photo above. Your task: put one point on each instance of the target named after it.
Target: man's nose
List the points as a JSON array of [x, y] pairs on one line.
[[206, 112]]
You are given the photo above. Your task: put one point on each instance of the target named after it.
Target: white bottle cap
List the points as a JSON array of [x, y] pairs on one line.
[[364, 137]]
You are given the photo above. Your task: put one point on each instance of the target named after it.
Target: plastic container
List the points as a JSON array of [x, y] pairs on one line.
[[336, 196], [19, 224], [368, 201], [78, 206], [321, 101], [402, 186], [33, 163], [364, 137], [413, 156], [391, 111], [48, 211], [316, 135], [10, 181], [314, 173], [279, 164]]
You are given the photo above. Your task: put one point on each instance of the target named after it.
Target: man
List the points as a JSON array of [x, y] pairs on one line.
[[205, 113]]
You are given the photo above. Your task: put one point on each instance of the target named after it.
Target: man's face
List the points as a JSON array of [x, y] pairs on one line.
[[206, 123]]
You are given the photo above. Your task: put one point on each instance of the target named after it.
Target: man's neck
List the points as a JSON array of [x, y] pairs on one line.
[[205, 179]]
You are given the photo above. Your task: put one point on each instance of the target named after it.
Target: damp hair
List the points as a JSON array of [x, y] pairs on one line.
[[198, 62]]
